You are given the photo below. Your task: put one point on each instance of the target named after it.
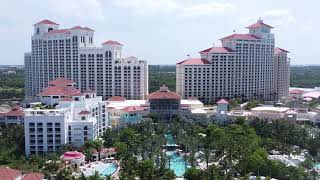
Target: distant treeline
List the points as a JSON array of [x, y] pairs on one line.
[[305, 76], [162, 75], [11, 85]]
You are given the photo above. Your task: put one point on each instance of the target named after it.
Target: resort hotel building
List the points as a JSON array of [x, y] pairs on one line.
[[72, 54], [65, 115], [246, 66]]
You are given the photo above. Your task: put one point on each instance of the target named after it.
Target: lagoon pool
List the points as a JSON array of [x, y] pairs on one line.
[[177, 163], [104, 169]]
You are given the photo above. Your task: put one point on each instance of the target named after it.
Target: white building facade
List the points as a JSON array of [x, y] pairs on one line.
[[74, 118], [241, 68], [71, 53]]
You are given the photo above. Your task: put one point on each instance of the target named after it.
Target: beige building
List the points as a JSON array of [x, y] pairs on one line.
[[72, 54], [281, 73], [242, 68]]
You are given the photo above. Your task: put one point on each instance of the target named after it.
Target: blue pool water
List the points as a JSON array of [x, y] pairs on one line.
[[177, 163], [170, 140], [317, 166], [109, 169]]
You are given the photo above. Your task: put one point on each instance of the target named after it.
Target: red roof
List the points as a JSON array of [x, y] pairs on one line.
[[132, 109], [82, 28], [217, 50], [9, 174], [61, 81], [110, 42], [116, 98], [13, 113], [278, 50], [296, 91], [58, 31], [46, 21], [84, 112], [33, 176], [242, 36], [194, 61], [72, 155], [164, 93], [259, 24], [60, 91], [222, 101]]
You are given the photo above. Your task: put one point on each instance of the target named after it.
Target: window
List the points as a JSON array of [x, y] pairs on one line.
[[50, 29]]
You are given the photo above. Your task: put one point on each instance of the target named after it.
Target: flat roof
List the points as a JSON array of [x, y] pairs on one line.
[[270, 108]]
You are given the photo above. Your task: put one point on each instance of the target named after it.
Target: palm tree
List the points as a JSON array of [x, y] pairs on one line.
[[97, 145], [95, 176]]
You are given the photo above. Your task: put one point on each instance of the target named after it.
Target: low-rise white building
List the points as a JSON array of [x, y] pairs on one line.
[[66, 116], [13, 116], [269, 112]]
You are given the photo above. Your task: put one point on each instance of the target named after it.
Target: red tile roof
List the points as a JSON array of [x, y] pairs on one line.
[[222, 101], [132, 109], [278, 50], [61, 81], [14, 112], [242, 36], [259, 24], [110, 42], [84, 112], [164, 93], [33, 176], [81, 28], [217, 50], [60, 91], [194, 61], [116, 98], [57, 31], [46, 21], [296, 91], [9, 174]]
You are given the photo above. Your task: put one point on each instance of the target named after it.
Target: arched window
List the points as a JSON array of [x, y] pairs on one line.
[[50, 29], [75, 38], [76, 99], [87, 96]]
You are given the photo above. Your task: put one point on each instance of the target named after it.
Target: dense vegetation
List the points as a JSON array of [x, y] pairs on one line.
[[11, 85], [305, 76], [162, 75], [235, 150]]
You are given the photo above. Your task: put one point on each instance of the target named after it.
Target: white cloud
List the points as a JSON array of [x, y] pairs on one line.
[[274, 17], [182, 8], [206, 9], [279, 17], [76, 9]]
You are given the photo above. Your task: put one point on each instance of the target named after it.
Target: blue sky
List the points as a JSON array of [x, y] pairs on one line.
[[164, 31]]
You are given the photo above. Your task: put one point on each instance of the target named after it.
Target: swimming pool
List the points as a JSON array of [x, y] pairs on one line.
[[109, 169], [170, 140], [104, 169], [177, 163]]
